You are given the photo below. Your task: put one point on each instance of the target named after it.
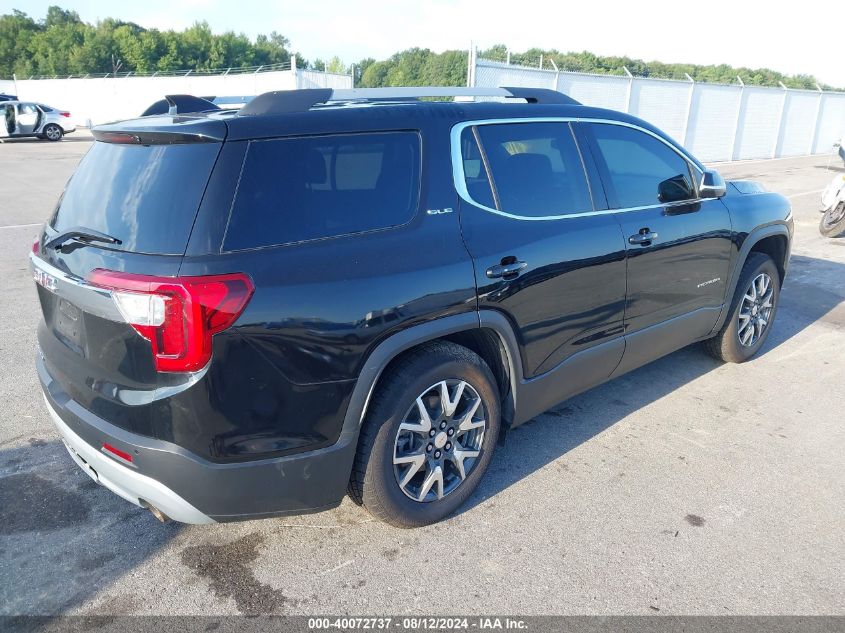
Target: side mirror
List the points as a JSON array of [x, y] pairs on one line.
[[712, 185]]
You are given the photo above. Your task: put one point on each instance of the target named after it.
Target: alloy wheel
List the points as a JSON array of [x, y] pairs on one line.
[[756, 309], [439, 440], [53, 133]]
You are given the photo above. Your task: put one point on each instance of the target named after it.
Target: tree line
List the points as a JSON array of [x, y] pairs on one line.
[[62, 44]]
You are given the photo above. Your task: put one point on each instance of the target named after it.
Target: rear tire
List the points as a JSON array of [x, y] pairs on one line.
[[832, 223], [752, 312], [401, 450], [53, 132]]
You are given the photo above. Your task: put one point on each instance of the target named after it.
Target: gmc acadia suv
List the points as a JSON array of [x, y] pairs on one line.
[[251, 313]]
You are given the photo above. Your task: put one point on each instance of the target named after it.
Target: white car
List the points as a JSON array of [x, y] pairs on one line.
[[24, 118]]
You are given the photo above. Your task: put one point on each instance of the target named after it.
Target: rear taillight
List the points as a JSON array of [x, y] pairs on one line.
[[178, 315], [65, 114]]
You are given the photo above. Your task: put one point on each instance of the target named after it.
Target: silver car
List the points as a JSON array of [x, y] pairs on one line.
[[25, 118]]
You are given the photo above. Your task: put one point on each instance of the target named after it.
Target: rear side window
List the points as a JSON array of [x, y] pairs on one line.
[[643, 170], [298, 189], [147, 196], [536, 168], [475, 173]]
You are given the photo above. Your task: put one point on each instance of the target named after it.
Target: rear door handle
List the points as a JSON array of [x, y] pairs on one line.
[[505, 270], [643, 238]]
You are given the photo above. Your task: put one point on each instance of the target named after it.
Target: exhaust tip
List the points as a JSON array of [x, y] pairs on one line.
[[158, 514]]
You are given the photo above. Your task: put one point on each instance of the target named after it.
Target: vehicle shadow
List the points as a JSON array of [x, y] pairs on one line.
[[833, 167], [814, 292], [63, 537]]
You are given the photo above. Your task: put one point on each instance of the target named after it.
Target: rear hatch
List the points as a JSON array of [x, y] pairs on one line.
[[123, 221]]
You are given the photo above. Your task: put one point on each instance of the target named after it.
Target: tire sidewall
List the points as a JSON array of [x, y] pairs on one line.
[[380, 480], [834, 230], [765, 266]]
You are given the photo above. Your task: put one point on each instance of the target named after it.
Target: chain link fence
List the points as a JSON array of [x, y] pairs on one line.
[[716, 122]]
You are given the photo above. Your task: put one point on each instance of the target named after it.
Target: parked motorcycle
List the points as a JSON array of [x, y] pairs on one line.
[[833, 207]]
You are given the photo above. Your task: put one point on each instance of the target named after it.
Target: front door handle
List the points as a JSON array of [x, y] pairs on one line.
[[508, 271], [643, 238]]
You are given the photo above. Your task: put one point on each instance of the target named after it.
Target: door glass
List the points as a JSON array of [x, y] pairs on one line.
[[475, 174], [536, 168], [643, 170]]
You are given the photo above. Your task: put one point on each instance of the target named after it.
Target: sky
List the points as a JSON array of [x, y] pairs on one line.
[[786, 36]]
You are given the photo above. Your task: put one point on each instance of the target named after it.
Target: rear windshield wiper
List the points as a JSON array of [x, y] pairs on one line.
[[83, 235]]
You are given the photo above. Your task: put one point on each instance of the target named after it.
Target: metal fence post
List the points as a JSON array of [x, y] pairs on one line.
[[815, 135], [780, 120], [689, 107], [739, 109], [630, 89], [469, 64], [557, 73]]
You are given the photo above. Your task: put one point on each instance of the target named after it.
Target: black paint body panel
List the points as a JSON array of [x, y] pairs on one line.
[[289, 381]]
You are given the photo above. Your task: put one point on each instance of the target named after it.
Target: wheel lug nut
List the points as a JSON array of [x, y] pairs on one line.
[[428, 448], [432, 433], [437, 454], [448, 446], [443, 425], [450, 432]]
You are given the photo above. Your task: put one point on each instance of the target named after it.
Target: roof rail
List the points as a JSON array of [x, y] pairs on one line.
[[288, 101], [180, 104]]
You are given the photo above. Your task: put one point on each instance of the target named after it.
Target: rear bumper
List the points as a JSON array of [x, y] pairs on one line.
[[124, 481], [190, 489]]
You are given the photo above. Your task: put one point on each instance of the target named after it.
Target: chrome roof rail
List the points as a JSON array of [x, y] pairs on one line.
[[288, 101]]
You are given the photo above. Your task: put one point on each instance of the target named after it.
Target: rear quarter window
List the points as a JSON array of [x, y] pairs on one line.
[[307, 188]]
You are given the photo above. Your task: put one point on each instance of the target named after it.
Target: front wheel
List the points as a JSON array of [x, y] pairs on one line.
[[832, 223], [53, 132], [752, 311], [428, 436]]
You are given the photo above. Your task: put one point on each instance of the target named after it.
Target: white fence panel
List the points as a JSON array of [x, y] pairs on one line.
[[712, 125], [758, 123], [603, 92], [831, 124], [662, 103], [716, 122], [317, 79], [799, 123], [108, 99]]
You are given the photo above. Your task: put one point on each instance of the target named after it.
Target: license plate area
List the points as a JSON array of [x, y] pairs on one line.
[[68, 322]]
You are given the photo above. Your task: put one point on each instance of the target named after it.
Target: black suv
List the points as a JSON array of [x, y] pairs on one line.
[[251, 313]]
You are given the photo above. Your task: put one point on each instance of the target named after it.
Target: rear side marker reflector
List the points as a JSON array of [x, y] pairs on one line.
[[116, 451], [178, 315]]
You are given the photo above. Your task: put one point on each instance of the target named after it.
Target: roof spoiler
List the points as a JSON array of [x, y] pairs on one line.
[[180, 104], [288, 101]]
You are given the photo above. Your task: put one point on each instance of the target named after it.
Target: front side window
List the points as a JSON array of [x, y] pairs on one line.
[[299, 189], [536, 168], [643, 171]]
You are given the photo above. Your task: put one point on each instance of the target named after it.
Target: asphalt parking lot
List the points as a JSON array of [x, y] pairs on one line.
[[685, 487]]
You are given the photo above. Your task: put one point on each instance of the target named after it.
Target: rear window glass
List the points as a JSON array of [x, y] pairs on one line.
[[299, 189], [145, 196]]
